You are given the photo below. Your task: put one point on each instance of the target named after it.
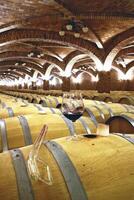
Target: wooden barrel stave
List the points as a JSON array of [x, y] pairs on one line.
[[17, 132], [123, 123], [24, 110], [102, 174]]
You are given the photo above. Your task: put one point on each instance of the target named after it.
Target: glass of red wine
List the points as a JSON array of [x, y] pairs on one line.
[[72, 108]]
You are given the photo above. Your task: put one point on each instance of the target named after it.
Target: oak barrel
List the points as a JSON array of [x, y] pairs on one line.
[[24, 110], [123, 123], [22, 130], [95, 168]]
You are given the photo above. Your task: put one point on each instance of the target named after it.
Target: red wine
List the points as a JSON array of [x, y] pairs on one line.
[[73, 116]]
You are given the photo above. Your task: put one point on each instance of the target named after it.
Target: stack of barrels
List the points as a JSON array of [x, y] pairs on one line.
[[92, 167], [115, 96]]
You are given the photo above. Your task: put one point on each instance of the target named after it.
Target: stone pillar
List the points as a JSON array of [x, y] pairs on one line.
[[19, 86], [25, 86], [34, 87], [130, 85], [15, 87], [104, 82], [66, 84], [45, 85], [77, 86]]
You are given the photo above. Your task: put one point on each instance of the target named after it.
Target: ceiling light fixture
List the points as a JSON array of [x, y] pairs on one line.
[[61, 33], [16, 64], [75, 26], [23, 64]]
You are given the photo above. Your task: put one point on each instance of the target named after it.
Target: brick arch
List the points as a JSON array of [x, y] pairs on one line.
[[125, 51], [129, 70], [71, 63], [130, 65], [35, 74], [48, 58], [83, 62], [30, 64], [49, 36], [10, 75], [73, 57], [90, 71], [13, 73], [55, 76], [18, 69], [127, 75], [114, 46], [50, 68], [120, 67], [119, 71]]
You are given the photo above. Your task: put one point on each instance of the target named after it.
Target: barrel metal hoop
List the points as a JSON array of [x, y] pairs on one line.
[[26, 130], [85, 125], [3, 105], [24, 101], [109, 109], [69, 124], [44, 104], [126, 107], [51, 103], [130, 120], [91, 115], [10, 111], [38, 107], [56, 100], [71, 177], [24, 185], [3, 135], [126, 137], [52, 110], [101, 113], [96, 102]]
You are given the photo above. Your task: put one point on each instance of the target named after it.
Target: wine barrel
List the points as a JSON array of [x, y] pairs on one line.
[[29, 98], [100, 112], [123, 123], [23, 130], [108, 99], [13, 102], [98, 98], [46, 101], [126, 100], [96, 112], [89, 102], [51, 101], [105, 172], [26, 109], [118, 108]]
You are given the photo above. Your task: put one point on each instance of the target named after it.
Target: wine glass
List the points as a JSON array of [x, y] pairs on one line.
[[72, 108]]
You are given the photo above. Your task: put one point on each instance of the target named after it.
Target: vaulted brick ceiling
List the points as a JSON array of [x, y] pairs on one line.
[[33, 26]]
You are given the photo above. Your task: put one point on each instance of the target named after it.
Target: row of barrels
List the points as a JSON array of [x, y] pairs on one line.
[[129, 100], [55, 102], [94, 167], [25, 123], [22, 130], [60, 92], [122, 98], [97, 111]]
